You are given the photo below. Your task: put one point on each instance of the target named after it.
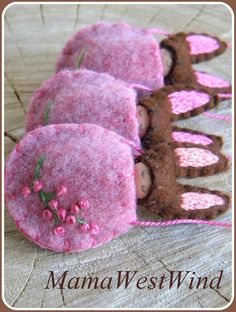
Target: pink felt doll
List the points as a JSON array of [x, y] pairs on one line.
[[135, 56], [84, 96], [72, 187]]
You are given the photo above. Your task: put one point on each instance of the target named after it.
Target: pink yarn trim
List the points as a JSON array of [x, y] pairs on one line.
[[225, 95], [158, 31], [179, 221], [219, 117], [139, 86], [181, 136], [202, 44]]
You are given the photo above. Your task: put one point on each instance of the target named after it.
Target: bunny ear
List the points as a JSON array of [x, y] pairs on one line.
[[198, 203], [213, 84], [193, 162], [204, 47], [190, 102], [189, 137]]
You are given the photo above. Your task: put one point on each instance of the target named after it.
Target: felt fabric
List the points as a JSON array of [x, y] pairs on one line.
[[93, 164], [168, 199], [173, 103], [125, 52], [84, 96], [182, 71]]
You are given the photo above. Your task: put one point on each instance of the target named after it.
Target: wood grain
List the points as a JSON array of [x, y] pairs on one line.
[[34, 35]]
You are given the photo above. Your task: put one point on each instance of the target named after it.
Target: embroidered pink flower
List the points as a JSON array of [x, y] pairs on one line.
[[25, 191], [74, 209], [70, 220], [53, 204], [59, 230], [84, 227], [37, 186], [94, 229], [46, 214], [62, 213], [61, 190], [84, 204]]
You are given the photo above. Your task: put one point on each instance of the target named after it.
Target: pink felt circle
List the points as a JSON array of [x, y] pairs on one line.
[[83, 163], [182, 136], [195, 157], [184, 101], [211, 81], [192, 200], [202, 44]]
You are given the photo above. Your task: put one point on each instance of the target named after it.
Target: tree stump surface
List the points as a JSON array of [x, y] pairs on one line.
[[34, 37]]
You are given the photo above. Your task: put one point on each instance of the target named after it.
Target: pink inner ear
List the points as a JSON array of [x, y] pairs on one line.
[[211, 81], [192, 201], [184, 101], [182, 136], [202, 44], [195, 157]]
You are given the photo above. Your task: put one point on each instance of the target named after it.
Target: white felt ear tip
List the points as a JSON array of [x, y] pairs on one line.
[[201, 44], [195, 157], [195, 200]]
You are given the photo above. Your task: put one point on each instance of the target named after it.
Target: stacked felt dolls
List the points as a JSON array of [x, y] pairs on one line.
[[99, 137]]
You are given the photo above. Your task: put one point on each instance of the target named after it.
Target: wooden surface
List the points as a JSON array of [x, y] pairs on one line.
[[34, 36]]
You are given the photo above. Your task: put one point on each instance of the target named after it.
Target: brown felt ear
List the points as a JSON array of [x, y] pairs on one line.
[[197, 203], [204, 47], [191, 138], [193, 162]]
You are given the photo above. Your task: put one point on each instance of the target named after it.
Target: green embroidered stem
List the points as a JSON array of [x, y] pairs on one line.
[[38, 167], [80, 59], [46, 114], [80, 221]]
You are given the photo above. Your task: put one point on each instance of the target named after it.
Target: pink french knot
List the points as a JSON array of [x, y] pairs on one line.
[[195, 157], [184, 101], [37, 186], [74, 209], [192, 200], [53, 204], [84, 204], [211, 81], [84, 228], [61, 190], [182, 136], [202, 44], [62, 213], [25, 191], [47, 215], [94, 229], [59, 230], [70, 220]]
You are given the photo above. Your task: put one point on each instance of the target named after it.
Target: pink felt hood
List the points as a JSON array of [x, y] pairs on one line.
[[127, 53], [84, 96], [92, 164]]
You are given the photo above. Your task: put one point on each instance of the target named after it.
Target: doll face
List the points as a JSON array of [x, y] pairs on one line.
[[167, 61], [143, 120], [143, 180]]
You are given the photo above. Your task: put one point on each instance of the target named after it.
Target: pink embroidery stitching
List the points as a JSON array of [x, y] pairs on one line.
[[195, 157], [202, 44], [183, 101], [211, 81], [181, 136], [192, 201]]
